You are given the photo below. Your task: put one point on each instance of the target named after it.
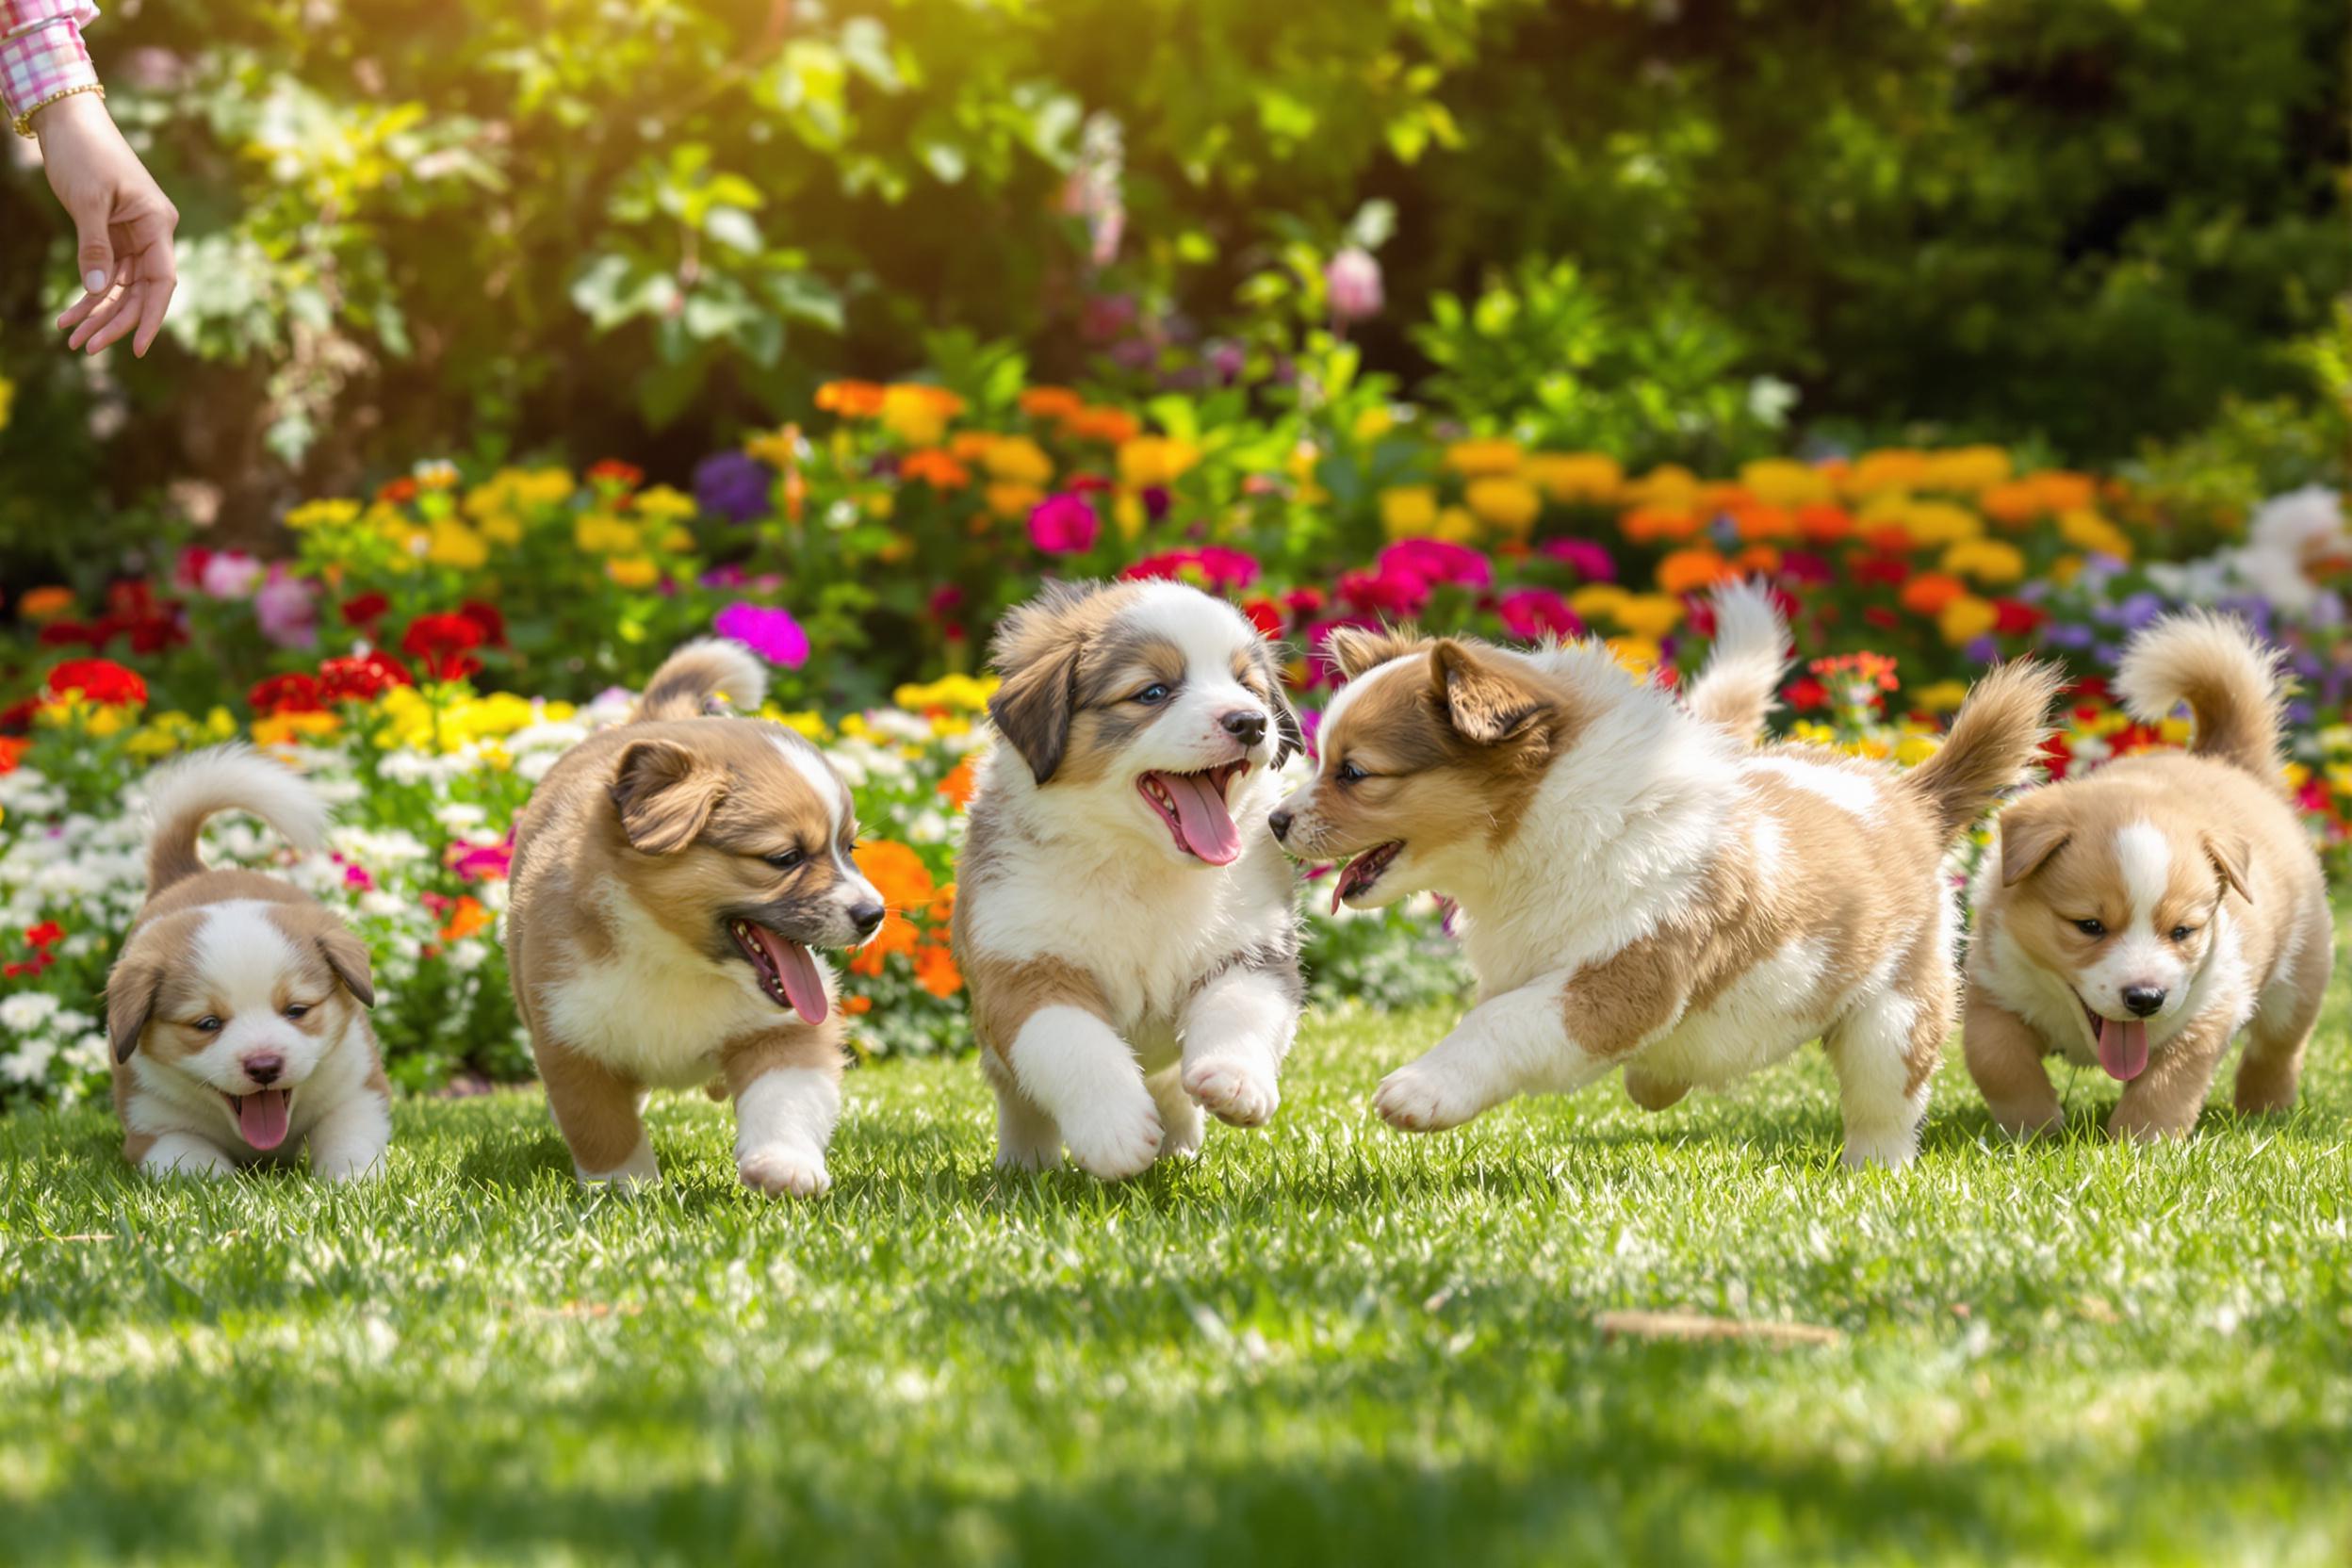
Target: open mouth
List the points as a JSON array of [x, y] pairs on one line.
[[2122, 1043], [787, 970], [1357, 874], [1193, 806], [262, 1116]]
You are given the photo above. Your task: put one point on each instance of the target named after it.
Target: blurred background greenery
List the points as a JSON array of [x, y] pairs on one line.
[[1689, 229]]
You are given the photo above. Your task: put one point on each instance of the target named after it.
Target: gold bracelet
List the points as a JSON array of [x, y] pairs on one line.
[[24, 121]]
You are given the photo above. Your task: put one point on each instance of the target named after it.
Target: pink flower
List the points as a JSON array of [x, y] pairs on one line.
[[1063, 524], [487, 862], [1436, 562], [230, 575], [1587, 560], [770, 632], [1533, 614], [287, 608], [1353, 281], [1214, 566]]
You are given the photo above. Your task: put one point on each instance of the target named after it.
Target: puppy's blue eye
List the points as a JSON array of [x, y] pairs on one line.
[[786, 859], [207, 1026], [1154, 694], [1348, 773], [2090, 928]]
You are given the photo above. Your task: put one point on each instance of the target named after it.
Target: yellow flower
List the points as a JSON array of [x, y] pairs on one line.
[[1941, 696], [1669, 486], [961, 693], [1577, 476], [1155, 459], [1784, 481], [8, 400], [2175, 732], [1914, 749], [501, 528], [632, 571], [1375, 422], [452, 544], [1650, 615], [779, 450], [1018, 460], [664, 504], [918, 414], [1492, 455], [1893, 468], [1408, 511], [1013, 500], [601, 533], [330, 513], [2088, 530], [1595, 600], [1127, 514], [1456, 526], [281, 729], [1509, 504], [1966, 618], [1812, 733], [1639, 655], [1966, 470], [1985, 559], [806, 722]]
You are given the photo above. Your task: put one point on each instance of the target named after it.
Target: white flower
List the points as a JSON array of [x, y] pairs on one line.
[[89, 1053], [26, 1011], [458, 815], [2290, 534], [30, 1062]]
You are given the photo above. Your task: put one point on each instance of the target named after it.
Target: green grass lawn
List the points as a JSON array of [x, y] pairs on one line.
[[1322, 1341]]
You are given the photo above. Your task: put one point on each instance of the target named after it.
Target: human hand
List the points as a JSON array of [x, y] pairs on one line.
[[123, 223]]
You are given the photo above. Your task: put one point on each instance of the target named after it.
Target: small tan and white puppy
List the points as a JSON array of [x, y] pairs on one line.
[[1128, 929], [2141, 915], [237, 1008], [1643, 888], [672, 878]]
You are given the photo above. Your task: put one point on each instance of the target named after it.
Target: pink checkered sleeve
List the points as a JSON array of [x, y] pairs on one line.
[[42, 52]]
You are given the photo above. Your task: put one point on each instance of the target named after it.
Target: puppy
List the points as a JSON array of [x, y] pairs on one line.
[[1128, 930], [2140, 916], [1641, 887], [236, 1008], [673, 876]]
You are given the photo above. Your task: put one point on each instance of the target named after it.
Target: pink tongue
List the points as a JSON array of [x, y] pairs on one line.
[[2123, 1048], [261, 1118], [802, 985], [1201, 818]]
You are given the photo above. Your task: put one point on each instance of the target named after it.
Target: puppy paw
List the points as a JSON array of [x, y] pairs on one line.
[[789, 1168], [1241, 1094], [1892, 1148], [1114, 1141], [1422, 1098], [1182, 1130], [1651, 1093], [1010, 1156]]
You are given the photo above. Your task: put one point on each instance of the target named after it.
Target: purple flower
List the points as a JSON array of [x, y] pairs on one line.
[[287, 609], [2062, 634], [1353, 281], [1980, 650], [2140, 609], [734, 485], [770, 632], [1063, 524]]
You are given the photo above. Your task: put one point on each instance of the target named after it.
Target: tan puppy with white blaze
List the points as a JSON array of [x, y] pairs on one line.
[[672, 877], [1643, 888], [1128, 929], [2140, 916], [238, 1007]]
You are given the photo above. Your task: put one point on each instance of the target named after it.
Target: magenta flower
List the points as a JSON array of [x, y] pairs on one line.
[[1352, 279], [1063, 524], [1587, 560], [1530, 615], [1218, 566], [1435, 561], [770, 632]]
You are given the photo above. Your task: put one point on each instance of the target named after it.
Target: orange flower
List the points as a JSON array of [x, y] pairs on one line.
[[468, 918], [1758, 559], [1690, 570], [1051, 403], [44, 604], [1822, 523], [960, 782], [1757, 521], [852, 399], [1928, 592], [935, 971], [1102, 424], [13, 750], [855, 1005], [1645, 524], [936, 468]]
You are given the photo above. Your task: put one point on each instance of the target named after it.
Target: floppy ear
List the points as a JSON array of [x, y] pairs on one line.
[[1353, 649], [1485, 700], [2227, 852], [664, 795], [346, 955], [1034, 706], [2028, 838], [131, 1002], [1294, 740]]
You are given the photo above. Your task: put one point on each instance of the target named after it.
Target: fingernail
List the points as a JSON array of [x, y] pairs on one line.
[[94, 280]]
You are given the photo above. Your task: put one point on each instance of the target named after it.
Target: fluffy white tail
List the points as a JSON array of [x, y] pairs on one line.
[[2232, 681], [232, 778], [1735, 691], [697, 672]]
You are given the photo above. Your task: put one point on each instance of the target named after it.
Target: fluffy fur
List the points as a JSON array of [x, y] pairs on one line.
[[673, 879], [236, 1008], [2139, 916], [1640, 888], [1130, 964]]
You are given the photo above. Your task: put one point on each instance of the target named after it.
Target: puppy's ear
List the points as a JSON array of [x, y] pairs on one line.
[[2028, 838], [2227, 850], [664, 795], [346, 955], [1485, 700], [1294, 740], [1035, 705], [130, 990], [1353, 649]]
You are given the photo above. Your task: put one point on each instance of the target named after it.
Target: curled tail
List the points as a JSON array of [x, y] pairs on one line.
[[701, 670], [1735, 691], [1994, 736], [232, 778], [2231, 682]]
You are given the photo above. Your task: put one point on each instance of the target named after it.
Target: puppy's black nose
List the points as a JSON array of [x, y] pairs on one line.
[[1280, 823], [2143, 1000], [867, 918], [263, 1066], [1245, 725]]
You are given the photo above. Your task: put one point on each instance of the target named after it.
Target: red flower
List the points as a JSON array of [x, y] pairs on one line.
[[1884, 618], [2016, 616], [1265, 615], [365, 608], [361, 677], [13, 750], [44, 934], [612, 471], [96, 681], [1891, 570], [286, 693], [487, 617], [439, 642], [58, 634], [1805, 693], [395, 492]]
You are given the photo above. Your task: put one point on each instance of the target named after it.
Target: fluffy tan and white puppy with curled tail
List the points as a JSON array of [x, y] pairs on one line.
[[237, 1008], [2138, 916], [674, 879], [1642, 888]]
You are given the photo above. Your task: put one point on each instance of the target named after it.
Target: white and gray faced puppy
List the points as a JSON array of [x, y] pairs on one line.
[[1125, 921]]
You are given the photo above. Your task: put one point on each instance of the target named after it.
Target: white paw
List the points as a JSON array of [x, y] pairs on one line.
[[1238, 1093], [1180, 1130], [1891, 1148], [1418, 1098], [346, 1168], [785, 1167], [1114, 1141]]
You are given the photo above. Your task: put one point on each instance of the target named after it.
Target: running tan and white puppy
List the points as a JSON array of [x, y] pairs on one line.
[[1128, 929], [2140, 916], [673, 876], [238, 1007], [1643, 888]]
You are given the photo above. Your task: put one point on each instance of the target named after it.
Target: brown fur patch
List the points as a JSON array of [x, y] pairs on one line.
[[1006, 992], [594, 1107], [815, 1049]]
